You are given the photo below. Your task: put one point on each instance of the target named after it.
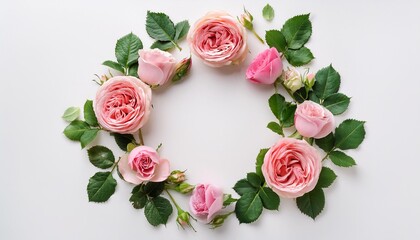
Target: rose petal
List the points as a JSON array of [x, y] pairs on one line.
[[127, 173], [162, 171]]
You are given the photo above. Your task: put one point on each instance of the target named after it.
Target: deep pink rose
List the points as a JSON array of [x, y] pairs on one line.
[[123, 104], [265, 68], [313, 120], [206, 201], [143, 164], [218, 39], [291, 167], [156, 67]]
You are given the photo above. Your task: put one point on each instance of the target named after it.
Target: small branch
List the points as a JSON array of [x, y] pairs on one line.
[[258, 36], [176, 45], [141, 138]]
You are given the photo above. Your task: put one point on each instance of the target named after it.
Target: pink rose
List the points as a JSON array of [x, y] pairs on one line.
[[265, 68], [218, 39], [313, 120], [206, 201], [123, 104], [143, 164], [291, 167], [156, 67]]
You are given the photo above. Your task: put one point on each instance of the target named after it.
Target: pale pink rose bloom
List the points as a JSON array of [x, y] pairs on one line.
[[156, 67], [143, 164], [206, 201], [313, 120], [291, 167], [265, 68], [218, 39], [123, 104]]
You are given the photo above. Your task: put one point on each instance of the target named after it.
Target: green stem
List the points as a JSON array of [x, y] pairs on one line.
[[115, 165], [173, 201], [326, 155], [141, 138], [256, 35], [176, 45]]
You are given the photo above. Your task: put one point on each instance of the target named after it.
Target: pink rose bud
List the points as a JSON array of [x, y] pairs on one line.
[[265, 68], [206, 201], [310, 80], [313, 120], [184, 219], [176, 177], [291, 167], [292, 79], [218, 221], [123, 104], [246, 20], [218, 39], [156, 67], [143, 164], [182, 69]]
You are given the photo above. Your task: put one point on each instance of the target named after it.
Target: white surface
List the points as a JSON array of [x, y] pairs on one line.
[[212, 124]]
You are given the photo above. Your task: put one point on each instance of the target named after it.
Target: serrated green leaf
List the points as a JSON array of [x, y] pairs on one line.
[[268, 12], [349, 134], [158, 210], [88, 136], [314, 98], [249, 207], [127, 48], [337, 103], [75, 130], [243, 186], [326, 178], [270, 199], [312, 203], [254, 179], [154, 189], [164, 46], [89, 114], [138, 198], [259, 162], [341, 159], [275, 38], [277, 103], [300, 95], [299, 57], [160, 27], [326, 143], [71, 114], [132, 71], [123, 140], [297, 31], [327, 82], [181, 30], [114, 65], [101, 157], [101, 187], [288, 115], [275, 127]]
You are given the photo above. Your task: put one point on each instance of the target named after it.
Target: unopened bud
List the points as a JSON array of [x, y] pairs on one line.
[[184, 219], [176, 177], [182, 69], [246, 20], [292, 79], [184, 188], [310, 80]]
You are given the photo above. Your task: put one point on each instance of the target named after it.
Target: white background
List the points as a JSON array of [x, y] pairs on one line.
[[212, 124]]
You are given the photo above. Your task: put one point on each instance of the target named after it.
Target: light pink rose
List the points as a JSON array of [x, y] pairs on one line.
[[265, 68], [143, 164], [218, 39], [123, 104], [206, 201], [156, 67], [313, 120], [291, 167]]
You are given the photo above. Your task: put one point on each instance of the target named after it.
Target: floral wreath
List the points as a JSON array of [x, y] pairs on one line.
[[291, 168]]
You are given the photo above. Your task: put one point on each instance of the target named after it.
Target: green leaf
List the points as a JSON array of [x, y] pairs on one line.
[[314, 98], [88, 136], [132, 71], [260, 160], [158, 210], [164, 46], [138, 198], [243, 186], [101, 187], [71, 114], [277, 104], [326, 143], [312, 203], [288, 115], [300, 95], [114, 65], [123, 140], [327, 82], [75, 130], [337, 103], [299, 57], [326, 178], [341, 159], [181, 30], [160, 27], [127, 49], [268, 12], [228, 199], [297, 31], [101, 157], [275, 38], [270, 199], [89, 114], [249, 207], [254, 179], [349, 134], [275, 127], [154, 189]]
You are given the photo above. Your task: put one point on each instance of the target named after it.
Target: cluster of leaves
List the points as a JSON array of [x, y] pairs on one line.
[[291, 40], [284, 111]]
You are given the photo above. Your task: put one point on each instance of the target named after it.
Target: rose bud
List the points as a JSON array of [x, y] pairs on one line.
[[313, 120], [219, 220], [292, 79], [265, 68], [176, 177], [184, 219], [246, 20], [310, 80], [182, 69], [156, 67], [184, 188]]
